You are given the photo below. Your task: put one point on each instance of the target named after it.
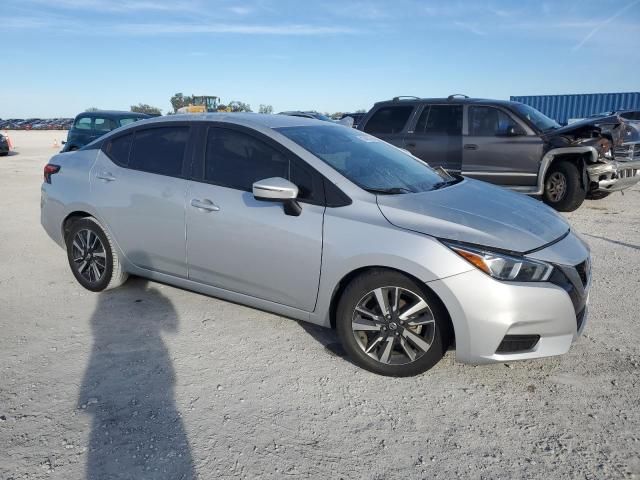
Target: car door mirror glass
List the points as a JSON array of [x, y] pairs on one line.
[[276, 188]]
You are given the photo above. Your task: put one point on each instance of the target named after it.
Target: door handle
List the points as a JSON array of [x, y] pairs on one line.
[[205, 204], [106, 176], [470, 146]]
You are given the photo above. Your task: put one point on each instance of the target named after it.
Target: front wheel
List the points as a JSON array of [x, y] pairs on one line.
[[391, 325], [92, 256], [562, 187]]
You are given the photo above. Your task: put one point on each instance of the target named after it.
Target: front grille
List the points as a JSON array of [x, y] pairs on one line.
[[517, 343], [627, 152]]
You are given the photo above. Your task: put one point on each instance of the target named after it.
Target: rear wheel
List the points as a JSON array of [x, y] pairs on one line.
[[562, 187], [391, 325], [92, 256]]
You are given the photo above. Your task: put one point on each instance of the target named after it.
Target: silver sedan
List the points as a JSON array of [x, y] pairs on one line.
[[325, 224]]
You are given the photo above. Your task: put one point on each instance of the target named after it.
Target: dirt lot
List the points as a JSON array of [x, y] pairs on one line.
[[150, 381]]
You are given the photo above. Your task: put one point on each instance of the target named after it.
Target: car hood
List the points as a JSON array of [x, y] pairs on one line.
[[478, 213]]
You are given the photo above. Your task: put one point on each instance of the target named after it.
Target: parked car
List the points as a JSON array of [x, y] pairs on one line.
[[4, 146], [89, 126], [357, 117], [324, 224], [318, 116], [510, 144]]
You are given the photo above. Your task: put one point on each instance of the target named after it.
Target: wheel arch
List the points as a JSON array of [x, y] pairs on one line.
[[346, 279], [580, 156], [71, 218]]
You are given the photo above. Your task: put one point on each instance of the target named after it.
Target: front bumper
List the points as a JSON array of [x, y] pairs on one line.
[[484, 311], [614, 176]]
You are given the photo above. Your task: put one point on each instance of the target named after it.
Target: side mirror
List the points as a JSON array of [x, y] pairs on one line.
[[279, 190]]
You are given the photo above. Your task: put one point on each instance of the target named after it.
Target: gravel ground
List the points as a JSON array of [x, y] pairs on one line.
[[153, 382]]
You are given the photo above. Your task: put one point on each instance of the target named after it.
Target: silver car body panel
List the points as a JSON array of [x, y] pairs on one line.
[[250, 252]]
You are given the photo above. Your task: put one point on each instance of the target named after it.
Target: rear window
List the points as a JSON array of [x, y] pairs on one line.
[[118, 149], [440, 119], [83, 123], [160, 150], [389, 119], [127, 121], [104, 124]]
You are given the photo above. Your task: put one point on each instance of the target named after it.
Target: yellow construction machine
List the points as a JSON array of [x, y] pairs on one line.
[[201, 104]]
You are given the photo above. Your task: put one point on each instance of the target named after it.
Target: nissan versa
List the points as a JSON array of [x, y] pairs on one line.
[[325, 224]]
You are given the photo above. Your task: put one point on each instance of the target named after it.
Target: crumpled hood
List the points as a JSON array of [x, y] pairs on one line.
[[476, 212]]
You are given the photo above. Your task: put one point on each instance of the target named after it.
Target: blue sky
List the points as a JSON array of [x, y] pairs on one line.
[[63, 56]]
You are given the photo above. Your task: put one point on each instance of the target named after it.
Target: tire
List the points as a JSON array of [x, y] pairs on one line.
[[387, 339], [99, 267], [562, 187], [598, 195]]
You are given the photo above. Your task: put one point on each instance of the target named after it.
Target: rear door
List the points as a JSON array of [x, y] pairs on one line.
[[246, 245], [499, 149], [390, 122], [139, 189], [436, 137]]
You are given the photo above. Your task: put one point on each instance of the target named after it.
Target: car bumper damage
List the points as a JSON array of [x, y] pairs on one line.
[[618, 174]]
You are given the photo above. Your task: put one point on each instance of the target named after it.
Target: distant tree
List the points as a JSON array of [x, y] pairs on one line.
[[336, 116], [237, 106], [360, 110], [265, 109], [92, 109], [144, 108], [179, 100], [222, 108]]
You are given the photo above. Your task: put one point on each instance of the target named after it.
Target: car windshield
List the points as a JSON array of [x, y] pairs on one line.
[[368, 162], [539, 119]]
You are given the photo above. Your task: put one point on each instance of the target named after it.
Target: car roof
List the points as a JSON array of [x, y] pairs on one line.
[[113, 114], [246, 119]]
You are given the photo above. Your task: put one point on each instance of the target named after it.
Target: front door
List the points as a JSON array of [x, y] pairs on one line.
[[137, 189], [437, 137], [497, 148], [250, 246]]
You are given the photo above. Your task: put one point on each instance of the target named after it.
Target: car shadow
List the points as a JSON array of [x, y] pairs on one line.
[[327, 337], [128, 389]]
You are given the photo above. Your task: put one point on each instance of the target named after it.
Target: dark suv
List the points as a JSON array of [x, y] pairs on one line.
[[91, 125], [513, 145]]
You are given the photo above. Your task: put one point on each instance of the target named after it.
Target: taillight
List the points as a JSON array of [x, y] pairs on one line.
[[50, 169]]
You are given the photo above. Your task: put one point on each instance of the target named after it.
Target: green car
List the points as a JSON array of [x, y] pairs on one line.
[[88, 126]]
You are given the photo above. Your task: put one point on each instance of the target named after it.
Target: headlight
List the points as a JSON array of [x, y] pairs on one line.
[[502, 266]]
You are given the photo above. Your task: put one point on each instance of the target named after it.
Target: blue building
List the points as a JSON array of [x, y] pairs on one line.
[[563, 108]]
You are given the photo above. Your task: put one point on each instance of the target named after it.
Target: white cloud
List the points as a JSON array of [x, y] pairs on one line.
[[222, 28]]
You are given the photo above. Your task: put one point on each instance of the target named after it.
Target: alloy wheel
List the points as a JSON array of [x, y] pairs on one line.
[[556, 186], [393, 325], [89, 255]]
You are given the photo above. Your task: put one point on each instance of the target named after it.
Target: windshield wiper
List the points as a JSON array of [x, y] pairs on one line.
[[440, 185], [388, 191]]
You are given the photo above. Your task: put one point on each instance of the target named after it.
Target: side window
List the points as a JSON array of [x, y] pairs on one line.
[[440, 120], [118, 149], [236, 160], [389, 119], [127, 121], [103, 124], [83, 123], [490, 122], [160, 150]]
